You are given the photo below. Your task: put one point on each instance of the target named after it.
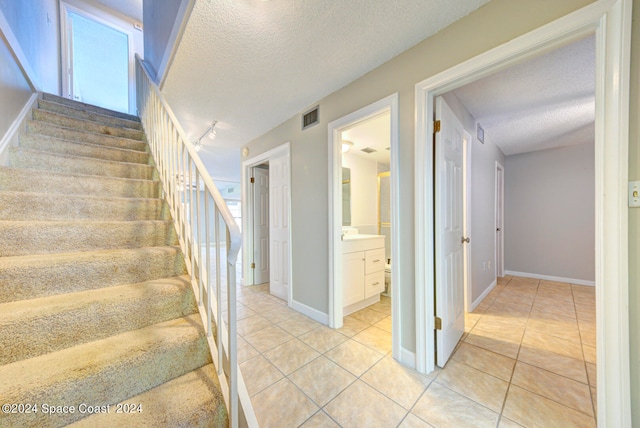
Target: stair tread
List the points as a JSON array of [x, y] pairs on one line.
[[72, 175], [80, 197], [87, 115], [55, 140], [108, 370], [90, 107], [84, 124], [81, 132], [80, 158], [33, 327], [191, 400]]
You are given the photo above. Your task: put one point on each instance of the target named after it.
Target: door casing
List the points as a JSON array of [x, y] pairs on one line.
[[610, 21]]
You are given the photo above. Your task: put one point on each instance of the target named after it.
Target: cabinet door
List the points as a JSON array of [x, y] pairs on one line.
[[373, 284], [353, 277], [374, 260]]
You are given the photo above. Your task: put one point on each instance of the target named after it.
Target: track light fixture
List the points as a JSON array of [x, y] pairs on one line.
[[211, 131]]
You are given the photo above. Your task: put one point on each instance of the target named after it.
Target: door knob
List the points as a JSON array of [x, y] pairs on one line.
[[467, 240], [498, 230]]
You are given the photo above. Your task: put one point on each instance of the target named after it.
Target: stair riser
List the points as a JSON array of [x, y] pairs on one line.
[[86, 107], [33, 207], [24, 180], [31, 141], [30, 277], [85, 125], [24, 158], [40, 326], [87, 115], [125, 371], [19, 238], [51, 130]]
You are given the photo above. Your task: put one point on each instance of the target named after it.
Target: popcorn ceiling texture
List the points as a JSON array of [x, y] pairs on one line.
[[95, 306]]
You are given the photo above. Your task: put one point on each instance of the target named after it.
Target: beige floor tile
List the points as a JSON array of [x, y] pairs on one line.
[[558, 345], [412, 421], [291, 355], [278, 315], [594, 400], [354, 357], [588, 335], [508, 423], [566, 310], [558, 388], [470, 320], [252, 324], [362, 406], [565, 328], [369, 315], [323, 339], [489, 341], [534, 411], [401, 384], [282, 405], [489, 362], [590, 355], [376, 339], [268, 338], [555, 286], [554, 362], [245, 351], [382, 307], [299, 326], [384, 324], [474, 384], [320, 420], [508, 309], [508, 324], [523, 282], [243, 312], [592, 373], [322, 380], [442, 407], [352, 326], [258, 373]]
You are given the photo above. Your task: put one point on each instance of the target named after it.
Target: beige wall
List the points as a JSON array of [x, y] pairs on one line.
[[634, 217], [492, 25]]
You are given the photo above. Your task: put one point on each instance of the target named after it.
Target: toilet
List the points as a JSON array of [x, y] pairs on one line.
[[387, 280]]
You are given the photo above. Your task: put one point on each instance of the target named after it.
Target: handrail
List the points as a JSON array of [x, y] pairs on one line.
[[189, 189]]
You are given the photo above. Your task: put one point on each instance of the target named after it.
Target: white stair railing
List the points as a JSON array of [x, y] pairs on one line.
[[190, 194]]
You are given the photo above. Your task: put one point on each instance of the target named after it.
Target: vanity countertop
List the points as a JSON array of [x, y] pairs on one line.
[[361, 242]]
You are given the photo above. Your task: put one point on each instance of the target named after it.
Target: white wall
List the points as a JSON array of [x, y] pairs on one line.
[[550, 212], [364, 193], [35, 26], [461, 41]]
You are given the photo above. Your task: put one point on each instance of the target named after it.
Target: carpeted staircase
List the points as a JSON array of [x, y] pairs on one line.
[[96, 308]]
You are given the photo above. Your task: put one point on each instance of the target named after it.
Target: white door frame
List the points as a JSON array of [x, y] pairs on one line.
[[390, 104], [499, 214], [610, 20], [97, 15], [247, 209], [467, 215]]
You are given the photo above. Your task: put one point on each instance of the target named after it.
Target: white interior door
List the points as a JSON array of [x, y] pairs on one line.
[[499, 220], [449, 231], [279, 226], [260, 225]]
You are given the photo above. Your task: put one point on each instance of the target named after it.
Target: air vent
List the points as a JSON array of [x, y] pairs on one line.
[[310, 118], [368, 150]]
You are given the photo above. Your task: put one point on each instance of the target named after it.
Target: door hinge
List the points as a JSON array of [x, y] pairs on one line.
[[253, 180], [436, 126], [438, 323], [253, 265]]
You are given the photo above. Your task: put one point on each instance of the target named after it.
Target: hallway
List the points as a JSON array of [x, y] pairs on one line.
[[527, 359]]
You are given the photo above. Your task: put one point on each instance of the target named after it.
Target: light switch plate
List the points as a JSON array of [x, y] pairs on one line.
[[634, 194]]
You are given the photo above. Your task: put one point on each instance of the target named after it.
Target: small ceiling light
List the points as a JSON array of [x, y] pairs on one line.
[[346, 146], [211, 130]]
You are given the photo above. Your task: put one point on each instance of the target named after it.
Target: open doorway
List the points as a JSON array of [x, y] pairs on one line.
[[611, 125], [266, 184], [106, 76], [362, 223]]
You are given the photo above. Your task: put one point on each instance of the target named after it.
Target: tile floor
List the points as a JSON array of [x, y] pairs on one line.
[[527, 359]]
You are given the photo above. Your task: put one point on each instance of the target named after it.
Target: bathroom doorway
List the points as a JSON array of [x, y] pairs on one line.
[[364, 144]]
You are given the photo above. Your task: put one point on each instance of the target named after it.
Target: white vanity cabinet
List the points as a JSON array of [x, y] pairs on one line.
[[362, 271]]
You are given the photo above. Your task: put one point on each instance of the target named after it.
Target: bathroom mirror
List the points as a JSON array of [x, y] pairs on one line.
[[346, 197]]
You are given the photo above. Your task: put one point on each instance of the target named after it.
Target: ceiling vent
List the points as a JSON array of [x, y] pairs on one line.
[[368, 150], [310, 118]]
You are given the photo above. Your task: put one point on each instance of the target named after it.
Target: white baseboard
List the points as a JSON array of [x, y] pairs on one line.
[[480, 298], [10, 138], [408, 358], [312, 313], [551, 278]]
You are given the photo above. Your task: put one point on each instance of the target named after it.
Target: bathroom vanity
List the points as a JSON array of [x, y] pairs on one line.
[[362, 270]]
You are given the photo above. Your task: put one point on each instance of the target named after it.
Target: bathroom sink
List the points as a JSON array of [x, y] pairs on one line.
[[361, 242]]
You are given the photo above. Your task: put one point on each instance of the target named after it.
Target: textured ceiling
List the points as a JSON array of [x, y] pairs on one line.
[[374, 133], [546, 102], [253, 64]]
